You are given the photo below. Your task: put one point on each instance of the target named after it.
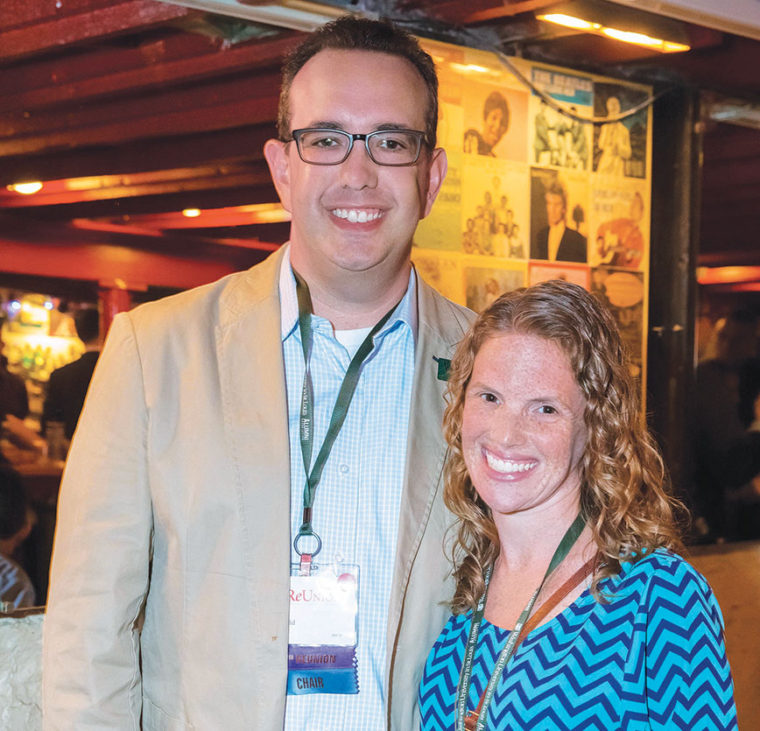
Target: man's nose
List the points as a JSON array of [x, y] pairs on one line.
[[357, 170]]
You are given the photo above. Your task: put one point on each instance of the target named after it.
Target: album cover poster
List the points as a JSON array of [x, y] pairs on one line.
[[441, 271], [620, 226], [495, 110], [483, 284], [495, 208], [623, 293], [620, 144], [543, 272], [559, 215], [557, 136]]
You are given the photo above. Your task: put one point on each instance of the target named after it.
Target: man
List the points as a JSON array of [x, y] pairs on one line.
[[13, 396], [184, 489], [68, 385], [557, 242]]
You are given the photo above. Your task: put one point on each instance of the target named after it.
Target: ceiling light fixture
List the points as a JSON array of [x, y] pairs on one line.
[[623, 24], [26, 188], [191, 212]]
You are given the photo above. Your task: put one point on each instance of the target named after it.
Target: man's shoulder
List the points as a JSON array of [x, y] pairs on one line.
[[230, 295], [82, 364], [575, 236], [442, 312]]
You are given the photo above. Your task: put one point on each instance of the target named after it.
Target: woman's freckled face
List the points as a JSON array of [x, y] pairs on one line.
[[523, 433]]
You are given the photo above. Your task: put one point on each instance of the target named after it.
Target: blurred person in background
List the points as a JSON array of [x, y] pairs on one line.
[[16, 590], [13, 396], [726, 455], [68, 385]]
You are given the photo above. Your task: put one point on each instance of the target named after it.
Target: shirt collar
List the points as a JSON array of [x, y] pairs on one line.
[[406, 312]]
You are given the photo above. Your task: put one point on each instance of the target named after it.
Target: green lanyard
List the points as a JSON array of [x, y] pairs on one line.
[[306, 417], [567, 542]]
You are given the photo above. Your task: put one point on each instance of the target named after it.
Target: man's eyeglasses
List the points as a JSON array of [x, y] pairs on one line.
[[393, 147]]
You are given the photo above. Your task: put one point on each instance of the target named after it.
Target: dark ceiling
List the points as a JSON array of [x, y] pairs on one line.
[[132, 110]]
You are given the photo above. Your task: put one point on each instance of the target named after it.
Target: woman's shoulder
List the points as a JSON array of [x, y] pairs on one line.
[[658, 562], [663, 573]]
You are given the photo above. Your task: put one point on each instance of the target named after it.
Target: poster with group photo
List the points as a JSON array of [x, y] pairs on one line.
[[495, 206]]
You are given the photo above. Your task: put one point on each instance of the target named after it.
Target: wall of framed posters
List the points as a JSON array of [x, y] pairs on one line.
[[533, 193]]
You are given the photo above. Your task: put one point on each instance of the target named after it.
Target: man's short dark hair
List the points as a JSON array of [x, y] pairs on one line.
[[350, 33], [12, 502], [556, 187], [87, 321]]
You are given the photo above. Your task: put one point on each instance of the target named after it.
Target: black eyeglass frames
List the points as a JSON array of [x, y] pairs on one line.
[[392, 147]]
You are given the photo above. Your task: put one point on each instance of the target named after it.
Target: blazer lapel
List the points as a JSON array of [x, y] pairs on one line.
[[249, 349], [438, 334]]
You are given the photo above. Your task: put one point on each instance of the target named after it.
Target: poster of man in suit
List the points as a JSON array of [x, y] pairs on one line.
[[559, 217]]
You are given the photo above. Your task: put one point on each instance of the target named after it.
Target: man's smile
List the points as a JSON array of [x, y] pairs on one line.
[[357, 215]]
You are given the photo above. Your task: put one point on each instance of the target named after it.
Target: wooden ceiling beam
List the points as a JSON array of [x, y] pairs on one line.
[[219, 180], [190, 245], [82, 78], [504, 11], [119, 207], [19, 13], [86, 25], [249, 107], [217, 146], [201, 96]]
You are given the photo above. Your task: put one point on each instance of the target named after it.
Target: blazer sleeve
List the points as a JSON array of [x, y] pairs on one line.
[[100, 566]]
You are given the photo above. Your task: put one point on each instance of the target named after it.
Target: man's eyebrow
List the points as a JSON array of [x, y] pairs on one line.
[[378, 128], [390, 126], [326, 125]]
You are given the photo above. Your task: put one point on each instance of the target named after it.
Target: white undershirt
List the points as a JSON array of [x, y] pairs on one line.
[[352, 339]]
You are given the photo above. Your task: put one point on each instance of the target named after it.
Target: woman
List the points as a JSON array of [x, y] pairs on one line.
[[495, 125], [567, 537]]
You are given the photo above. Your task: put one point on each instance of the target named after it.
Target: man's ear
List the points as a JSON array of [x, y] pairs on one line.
[[438, 166], [277, 159]]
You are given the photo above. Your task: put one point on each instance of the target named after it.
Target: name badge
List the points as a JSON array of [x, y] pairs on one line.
[[322, 639]]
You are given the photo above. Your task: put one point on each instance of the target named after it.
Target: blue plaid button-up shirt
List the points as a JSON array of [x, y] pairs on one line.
[[356, 508]]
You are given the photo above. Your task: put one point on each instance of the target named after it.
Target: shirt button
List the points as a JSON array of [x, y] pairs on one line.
[[344, 469]]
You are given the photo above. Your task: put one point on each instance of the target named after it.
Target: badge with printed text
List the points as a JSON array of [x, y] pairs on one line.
[[324, 609]]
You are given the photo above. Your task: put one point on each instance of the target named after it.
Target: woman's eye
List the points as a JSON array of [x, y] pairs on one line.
[[546, 409], [488, 397]]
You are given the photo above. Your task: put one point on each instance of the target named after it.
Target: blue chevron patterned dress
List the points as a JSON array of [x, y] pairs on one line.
[[651, 658]]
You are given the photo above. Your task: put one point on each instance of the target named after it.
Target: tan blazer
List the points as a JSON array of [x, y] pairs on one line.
[[174, 517]]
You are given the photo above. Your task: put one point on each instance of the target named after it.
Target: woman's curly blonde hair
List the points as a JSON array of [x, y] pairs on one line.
[[624, 484]]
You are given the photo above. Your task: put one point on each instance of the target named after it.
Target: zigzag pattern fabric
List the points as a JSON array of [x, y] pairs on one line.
[[652, 657]]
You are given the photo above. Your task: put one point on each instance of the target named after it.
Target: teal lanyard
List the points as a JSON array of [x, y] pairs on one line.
[[306, 416], [567, 542]]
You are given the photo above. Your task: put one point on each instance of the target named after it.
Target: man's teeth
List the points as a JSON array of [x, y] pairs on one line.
[[506, 465], [354, 215]]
